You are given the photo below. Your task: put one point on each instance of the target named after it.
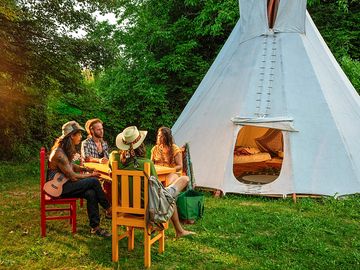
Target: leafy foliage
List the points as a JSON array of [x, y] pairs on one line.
[[339, 29], [166, 48], [338, 23], [352, 70], [38, 60]]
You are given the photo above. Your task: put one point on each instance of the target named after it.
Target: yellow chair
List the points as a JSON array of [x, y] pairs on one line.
[[129, 210]]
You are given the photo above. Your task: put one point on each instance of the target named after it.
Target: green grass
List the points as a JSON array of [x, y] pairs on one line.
[[236, 232]]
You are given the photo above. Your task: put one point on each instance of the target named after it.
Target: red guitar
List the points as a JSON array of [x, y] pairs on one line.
[[53, 187]]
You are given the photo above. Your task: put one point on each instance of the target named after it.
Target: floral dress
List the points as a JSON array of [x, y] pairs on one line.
[[160, 156]]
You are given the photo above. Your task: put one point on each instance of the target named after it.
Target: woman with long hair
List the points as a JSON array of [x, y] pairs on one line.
[[78, 185], [167, 153], [131, 156]]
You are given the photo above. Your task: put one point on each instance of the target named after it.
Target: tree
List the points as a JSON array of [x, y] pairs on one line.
[[338, 22], [40, 59], [166, 48]]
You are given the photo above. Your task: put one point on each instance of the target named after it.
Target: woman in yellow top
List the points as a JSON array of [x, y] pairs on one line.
[[167, 153]]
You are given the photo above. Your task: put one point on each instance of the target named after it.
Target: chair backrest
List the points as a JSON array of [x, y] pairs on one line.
[[42, 171], [133, 197], [187, 165]]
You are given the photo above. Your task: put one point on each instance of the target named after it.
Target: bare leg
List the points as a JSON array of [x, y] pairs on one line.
[[171, 178], [180, 231], [181, 182]]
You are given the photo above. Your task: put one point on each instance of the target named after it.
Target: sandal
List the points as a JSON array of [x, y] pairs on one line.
[[100, 232]]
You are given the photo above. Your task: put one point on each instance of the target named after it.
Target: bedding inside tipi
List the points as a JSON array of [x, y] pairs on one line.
[[258, 155]]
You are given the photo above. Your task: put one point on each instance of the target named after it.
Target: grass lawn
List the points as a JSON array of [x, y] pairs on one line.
[[236, 232]]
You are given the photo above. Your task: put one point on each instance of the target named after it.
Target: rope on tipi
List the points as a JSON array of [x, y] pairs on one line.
[[263, 107], [271, 74], [266, 76]]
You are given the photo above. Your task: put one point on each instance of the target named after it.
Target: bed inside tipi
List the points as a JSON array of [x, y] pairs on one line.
[[258, 155]]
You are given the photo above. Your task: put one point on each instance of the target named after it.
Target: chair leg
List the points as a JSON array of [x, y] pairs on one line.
[[73, 216], [147, 249], [162, 241], [131, 238], [115, 243], [43, 222]]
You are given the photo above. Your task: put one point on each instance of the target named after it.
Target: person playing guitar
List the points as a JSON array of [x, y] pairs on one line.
[[66, 178]]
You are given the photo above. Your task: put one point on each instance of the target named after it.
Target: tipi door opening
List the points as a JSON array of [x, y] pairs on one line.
[[258, 155]]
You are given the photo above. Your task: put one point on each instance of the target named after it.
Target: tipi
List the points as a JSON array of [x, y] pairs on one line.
[[275, 71]]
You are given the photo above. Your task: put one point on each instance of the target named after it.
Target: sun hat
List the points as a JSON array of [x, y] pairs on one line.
[[90, 122], [70, 128], [130, 136]]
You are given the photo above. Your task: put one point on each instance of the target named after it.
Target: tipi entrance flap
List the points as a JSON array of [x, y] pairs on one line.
[[253, 19], [291, 16], [282, 123]]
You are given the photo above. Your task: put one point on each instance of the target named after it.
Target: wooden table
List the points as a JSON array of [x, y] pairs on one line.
[[162, 172], [104, 170]]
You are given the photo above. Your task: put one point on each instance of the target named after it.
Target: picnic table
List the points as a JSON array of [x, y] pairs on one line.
[[104, 170]]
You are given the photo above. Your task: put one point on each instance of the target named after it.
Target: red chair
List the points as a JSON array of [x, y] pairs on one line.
[[46, 200]]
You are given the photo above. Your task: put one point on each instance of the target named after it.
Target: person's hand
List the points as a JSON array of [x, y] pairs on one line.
[[103, 160], [90, 170], [95, 173]]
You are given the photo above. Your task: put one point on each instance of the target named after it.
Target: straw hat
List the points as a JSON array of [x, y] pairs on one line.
[[70, 128], [130, 136]]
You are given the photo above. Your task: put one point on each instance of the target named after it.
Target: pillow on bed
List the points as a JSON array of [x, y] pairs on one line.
[[240, 150]]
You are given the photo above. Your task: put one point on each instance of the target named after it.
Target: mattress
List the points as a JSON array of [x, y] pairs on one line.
[[259, 157]]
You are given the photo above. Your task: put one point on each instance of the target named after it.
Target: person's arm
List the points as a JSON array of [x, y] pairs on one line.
[[67, 169], [82, 150], [96, 160], [106, 150], [178, 161], [78, 168], [153, 170], [152, 154], [177, 157]]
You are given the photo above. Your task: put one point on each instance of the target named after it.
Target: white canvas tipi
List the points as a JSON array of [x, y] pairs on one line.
[[283, 77]]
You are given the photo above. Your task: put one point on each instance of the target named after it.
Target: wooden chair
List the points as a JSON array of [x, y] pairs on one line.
[[46, 200], [129, 210]]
